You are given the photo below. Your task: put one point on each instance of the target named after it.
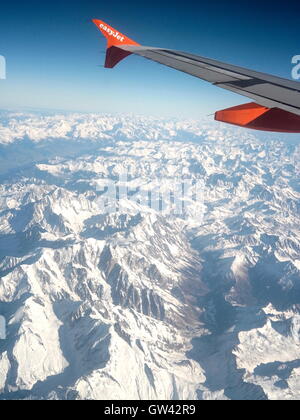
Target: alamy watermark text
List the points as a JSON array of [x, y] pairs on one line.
[[2, 328], [2, 67], [178, 197], [296, 67]]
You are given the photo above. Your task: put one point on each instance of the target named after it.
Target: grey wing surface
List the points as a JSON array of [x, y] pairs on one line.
[[265, 89]]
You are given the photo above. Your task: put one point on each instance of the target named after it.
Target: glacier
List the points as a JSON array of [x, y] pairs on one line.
[[139, 303]]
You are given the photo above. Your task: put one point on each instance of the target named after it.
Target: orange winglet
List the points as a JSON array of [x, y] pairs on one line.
[[258, 117], [114, 39]]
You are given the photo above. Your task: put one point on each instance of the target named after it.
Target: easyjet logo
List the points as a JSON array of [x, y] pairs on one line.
[[112, 33]]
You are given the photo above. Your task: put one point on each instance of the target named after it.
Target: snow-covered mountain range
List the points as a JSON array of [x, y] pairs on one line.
[[140, 302]]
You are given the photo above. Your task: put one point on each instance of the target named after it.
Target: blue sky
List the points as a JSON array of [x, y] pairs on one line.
[[53, 52]]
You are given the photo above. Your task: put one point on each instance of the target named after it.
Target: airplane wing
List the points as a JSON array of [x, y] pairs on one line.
[[276, 101]]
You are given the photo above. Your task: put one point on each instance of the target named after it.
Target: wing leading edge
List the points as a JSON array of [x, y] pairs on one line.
[[276, 105]]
